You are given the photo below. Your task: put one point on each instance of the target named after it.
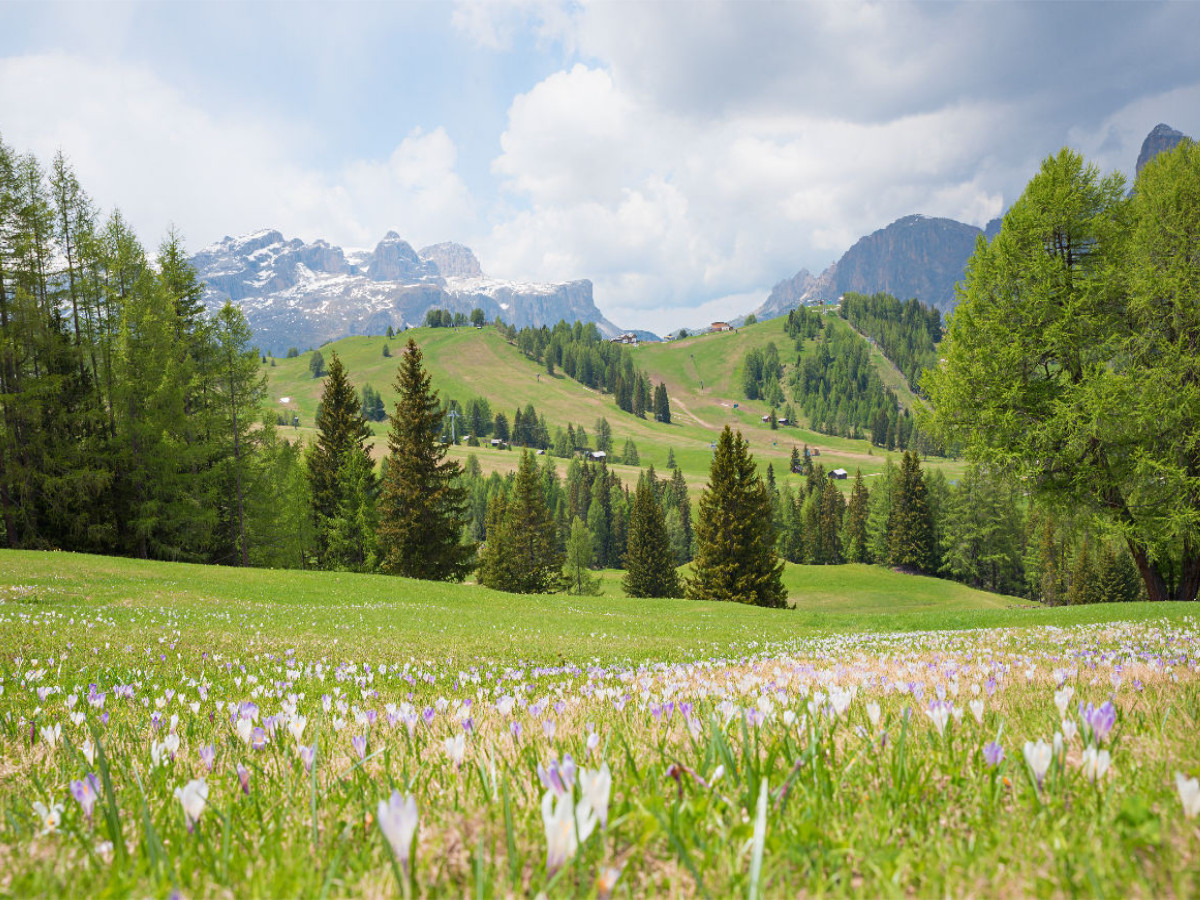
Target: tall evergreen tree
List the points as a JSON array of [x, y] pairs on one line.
[[341, 430], [910, 527], [735, 537], [423, 507], [662, 405], [649, 562], [522, 554], [856, 541], [579, 560]]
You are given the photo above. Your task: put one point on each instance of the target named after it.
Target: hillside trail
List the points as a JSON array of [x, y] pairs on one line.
[[695, 418]]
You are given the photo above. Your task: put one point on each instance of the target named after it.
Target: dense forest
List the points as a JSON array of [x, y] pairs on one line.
[[906, 333]]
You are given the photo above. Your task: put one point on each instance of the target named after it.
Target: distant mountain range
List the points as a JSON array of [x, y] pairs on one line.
[[300, 295], [916, 256]]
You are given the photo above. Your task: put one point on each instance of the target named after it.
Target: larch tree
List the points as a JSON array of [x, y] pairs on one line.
[[423, 508], [1071, 358], [735, 535]]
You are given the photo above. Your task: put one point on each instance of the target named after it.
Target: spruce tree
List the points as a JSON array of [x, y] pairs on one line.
[[341, 430], [649, 561], [856, 542], [735, 536], [911, 542], [422, 511], [522, 555], [662, 404]]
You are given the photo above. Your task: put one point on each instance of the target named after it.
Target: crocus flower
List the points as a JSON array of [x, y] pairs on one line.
[[1062, 698], [51, 734], [1039, 757], [1189, 794], [873, 713], [360, 745], [456, 748], [939, 714], [993, 753], [207, 755], [558, 778], [398, 820], [1099, 720], [561, 840], [607, 881], [192, 796], [977, 710], [244, 778], [88, 749], [1095, 763], [50, 816], [307, 756], [85, 792], [595, 787]]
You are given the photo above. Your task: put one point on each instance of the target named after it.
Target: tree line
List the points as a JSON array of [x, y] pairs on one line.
[[130, 421], [906, 333]]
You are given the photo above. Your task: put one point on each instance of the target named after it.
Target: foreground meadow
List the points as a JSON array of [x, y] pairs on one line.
[[167, 729]]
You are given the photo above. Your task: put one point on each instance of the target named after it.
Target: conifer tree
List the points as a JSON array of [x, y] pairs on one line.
[[1119, 578], [341, 430], [649, 562], [831, 510], [422, 510], [1085, 577], [662, 405], [911, 541], [856, 541], [579, 560], [735, 536], [522, 555]]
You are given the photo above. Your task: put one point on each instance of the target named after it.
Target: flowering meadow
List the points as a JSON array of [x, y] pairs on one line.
[[187, 742]]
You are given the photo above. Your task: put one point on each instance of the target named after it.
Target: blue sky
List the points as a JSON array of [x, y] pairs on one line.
[[684, 157]]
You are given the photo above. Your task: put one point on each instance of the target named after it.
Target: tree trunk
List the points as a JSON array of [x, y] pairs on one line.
[[1156, 585], [1189, 579]]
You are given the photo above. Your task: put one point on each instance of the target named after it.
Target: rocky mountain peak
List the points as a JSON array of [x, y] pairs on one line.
[[1160, 139], [394, 259], [452, 260]]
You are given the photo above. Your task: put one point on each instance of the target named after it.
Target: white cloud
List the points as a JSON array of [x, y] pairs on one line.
[[139, 143]]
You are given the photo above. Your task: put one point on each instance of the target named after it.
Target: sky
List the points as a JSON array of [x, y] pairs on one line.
[[683, 156]]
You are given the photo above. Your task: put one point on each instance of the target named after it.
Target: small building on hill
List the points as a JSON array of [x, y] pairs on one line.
[[720, 326], [627, 338], [839, 474]]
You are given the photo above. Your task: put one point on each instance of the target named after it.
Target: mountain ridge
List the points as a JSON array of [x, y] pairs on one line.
[[298, 294]]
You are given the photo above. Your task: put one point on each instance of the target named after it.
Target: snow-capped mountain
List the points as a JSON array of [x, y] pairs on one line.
[[300, 295]]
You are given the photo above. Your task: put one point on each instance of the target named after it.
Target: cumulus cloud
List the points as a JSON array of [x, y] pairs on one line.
[[139, 143]]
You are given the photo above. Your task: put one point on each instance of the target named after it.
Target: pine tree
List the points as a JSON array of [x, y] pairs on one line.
[[1119, 578], [649, 562], [423, 506], [341, 430], [1085, 577], [911, 541], [831, 510], [522, 555], [662, 405], [856, 541], [735, 539]]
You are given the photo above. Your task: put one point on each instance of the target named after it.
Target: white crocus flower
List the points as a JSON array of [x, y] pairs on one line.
[[51, 734], [1095, 764], [398, 820], [977, 710], [873, 713], [296, 727], [595, 786], [1062, 699], [1039, 757], [561, 839], [193, 796], [50, 817], [456, 748], [1189, 794]]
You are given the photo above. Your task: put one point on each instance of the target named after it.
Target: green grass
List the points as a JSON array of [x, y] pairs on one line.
[[695, 711], [466, 362]]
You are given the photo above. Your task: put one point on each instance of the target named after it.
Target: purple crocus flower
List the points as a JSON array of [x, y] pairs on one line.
[[990, 685], [1099, 719], [360, 745], [258, 739], [208, 754], [993, 753], [516, 730], [557, 777], [428, 715], [307, 756], [86, 791], [244, 778]]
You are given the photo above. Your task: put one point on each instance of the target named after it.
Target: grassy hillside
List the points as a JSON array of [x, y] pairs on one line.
[[702, 375], [345, 614]]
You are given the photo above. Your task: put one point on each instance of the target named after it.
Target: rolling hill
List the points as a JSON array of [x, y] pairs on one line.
[[702, 375]]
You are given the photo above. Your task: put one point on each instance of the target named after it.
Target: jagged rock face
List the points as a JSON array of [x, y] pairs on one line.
[[300, 295], [913, 257], [453, 260], [789, 294], [395, 260], [1160, 139]]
